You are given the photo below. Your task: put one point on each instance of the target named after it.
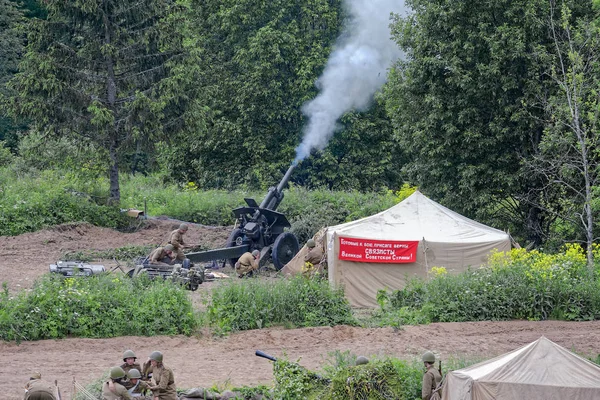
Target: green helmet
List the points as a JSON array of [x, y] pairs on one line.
[[116, 373], [255, 253], [156, 356], [362, 360], [128, 354], [428, 357], [310, 243], [183, 227], [134, 374], [169, 247], [36, 375]]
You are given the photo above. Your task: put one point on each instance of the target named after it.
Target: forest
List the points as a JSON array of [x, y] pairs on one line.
[[490, 108]]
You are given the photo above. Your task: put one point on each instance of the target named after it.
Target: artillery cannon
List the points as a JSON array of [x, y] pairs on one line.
[[258, 227]]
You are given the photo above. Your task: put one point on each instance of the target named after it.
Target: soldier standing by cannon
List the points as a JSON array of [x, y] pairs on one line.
[[176, 240]]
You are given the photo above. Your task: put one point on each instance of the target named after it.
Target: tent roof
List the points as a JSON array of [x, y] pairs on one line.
[[542, 362], [419, 217]]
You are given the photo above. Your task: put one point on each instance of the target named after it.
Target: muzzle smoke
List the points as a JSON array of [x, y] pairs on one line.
[[356, 69]]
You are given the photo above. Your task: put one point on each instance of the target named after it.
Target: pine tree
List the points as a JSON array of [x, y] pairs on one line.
[[11, 47], [94, 70]]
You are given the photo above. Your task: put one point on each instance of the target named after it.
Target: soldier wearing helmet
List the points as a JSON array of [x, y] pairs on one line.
[[247, 264], [361, 360], [139, 388], [164, 387], [176, 240], [37, 389], [313, 260], [432, 378], [162, 255], [113, 389], [129, 363]]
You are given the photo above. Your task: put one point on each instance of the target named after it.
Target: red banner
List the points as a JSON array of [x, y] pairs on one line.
[[378, 251]]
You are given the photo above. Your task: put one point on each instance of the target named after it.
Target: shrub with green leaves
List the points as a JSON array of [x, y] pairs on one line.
[[519, 284], [31, 200], [253, 304], [388, 378], [100, 306], [38, 201]]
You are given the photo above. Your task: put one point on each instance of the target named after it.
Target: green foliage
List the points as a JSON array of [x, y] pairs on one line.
[[45, 200], [380, 379], [516, 285], [95, 72], [6, 156], [31, 200], [254, 304], [464, 105], [94, 388], [127, 253], [100, 306]]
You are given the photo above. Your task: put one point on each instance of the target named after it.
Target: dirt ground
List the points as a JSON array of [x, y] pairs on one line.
[[28, 256], [205, 360]]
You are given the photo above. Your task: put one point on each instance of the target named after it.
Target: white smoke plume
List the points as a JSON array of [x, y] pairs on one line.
[[356, 69]]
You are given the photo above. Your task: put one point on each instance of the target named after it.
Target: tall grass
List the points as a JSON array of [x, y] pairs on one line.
[[34, 199], [516, 285], [254, 304], [99, 306]]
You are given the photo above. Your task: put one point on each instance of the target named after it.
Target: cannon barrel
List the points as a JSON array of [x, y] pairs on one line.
[[275, 194], [262, 354]]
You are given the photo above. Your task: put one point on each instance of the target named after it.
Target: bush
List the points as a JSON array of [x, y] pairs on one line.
[[35, 202], [515, 285], [380, 379], [31, 200], [99, 306], [255, 304]]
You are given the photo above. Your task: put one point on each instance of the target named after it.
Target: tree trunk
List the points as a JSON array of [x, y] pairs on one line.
[[115, 190], [534, 226]]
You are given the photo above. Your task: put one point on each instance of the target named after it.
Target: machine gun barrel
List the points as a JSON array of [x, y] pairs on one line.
[[275, 194]]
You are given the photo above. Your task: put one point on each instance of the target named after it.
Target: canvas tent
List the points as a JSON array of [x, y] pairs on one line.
[[539, 370], [440, 236]]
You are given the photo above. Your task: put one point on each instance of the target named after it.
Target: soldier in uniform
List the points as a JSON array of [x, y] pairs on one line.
[[162, 256], [37, 389], [176, 240], [247, 264], [139, 388], [129, 363], [431, 378], [312, 260], [164, 388], [113, 389]]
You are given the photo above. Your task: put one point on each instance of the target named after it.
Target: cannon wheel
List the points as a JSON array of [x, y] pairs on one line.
[[284, 249], [236, 233]]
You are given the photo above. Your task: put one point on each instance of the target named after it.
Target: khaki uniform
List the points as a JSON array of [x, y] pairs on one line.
[[146, 371], [120, 392], [431, 380], [312, 262], [159, 256], [246, 264], [37, 389], [165, 388], [126, 367], [176, 239]]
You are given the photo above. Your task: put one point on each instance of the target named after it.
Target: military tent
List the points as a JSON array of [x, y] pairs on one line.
[[539, 370], [384, 250]]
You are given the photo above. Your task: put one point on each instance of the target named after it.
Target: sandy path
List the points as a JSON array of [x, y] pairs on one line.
[[204, 361]]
